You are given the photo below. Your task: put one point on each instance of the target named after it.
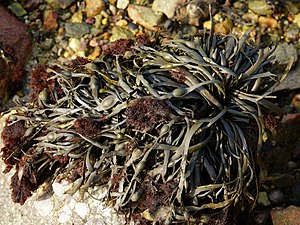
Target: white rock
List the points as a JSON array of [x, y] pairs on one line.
[[72, 204], [94, 221], [44, 207], [60, 188], [65, 215], [82, 209]]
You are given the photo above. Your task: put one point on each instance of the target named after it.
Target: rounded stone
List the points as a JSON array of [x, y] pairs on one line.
[[276, 197]]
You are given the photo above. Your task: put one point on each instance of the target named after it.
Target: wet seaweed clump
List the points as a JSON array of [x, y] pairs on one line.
[[171, 130]]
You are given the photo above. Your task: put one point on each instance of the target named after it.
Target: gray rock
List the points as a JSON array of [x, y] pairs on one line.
[[284, 52], [276, 197], [167, 7], [292, 81], [262, 217], [76, 30]]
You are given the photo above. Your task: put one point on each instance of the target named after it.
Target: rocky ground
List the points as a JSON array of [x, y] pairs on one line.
[[65, 29]]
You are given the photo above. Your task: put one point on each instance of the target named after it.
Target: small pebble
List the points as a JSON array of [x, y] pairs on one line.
[[262, 217], [276, 197], [82, 209]]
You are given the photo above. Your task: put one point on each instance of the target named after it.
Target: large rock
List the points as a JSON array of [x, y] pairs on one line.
[[145, 16], [15, 50], [287, 216], [166, 6]]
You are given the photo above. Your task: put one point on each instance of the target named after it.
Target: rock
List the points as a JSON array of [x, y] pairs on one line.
[[195, 12], [94, 7], [82, 209], [120, 33], [296, 193], [166, 6], [77, 17], [297, 19], [292, 81], [76, 30], [65, 215], [260, 7], [276, 197], [292, 33], [44, 207], [267, 22], [50, 20], [17, 9], [287, 216], [15, 50], [122, 4], [284, 52], [284, 181], [145, 16], [263, 199], [77, 46], [261, 217], [63, 4], [223, 27]]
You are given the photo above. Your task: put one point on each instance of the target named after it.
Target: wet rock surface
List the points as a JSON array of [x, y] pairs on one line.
[[15, 50], [287, 216]]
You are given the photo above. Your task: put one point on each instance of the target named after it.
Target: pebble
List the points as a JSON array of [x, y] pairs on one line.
[[63, 4], [276, 197], [94, 221], [50, 20], [77, 17], [76, 30], [120, 33], [267, 22], [122, 4], [166, 6], [94, 7], [82, 209], [292, 33], [287, 216], [44, 207], [59, 188], [17, 9], [297, 19], [260, 7], [122, 23], [263, 199], [145, 16], [262, 217], [65, 214], [224, 27]]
